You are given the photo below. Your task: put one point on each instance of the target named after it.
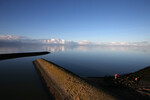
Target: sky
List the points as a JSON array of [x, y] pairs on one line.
[[77, 20]]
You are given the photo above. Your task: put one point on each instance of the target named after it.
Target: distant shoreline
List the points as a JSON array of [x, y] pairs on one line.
[[18, 55]]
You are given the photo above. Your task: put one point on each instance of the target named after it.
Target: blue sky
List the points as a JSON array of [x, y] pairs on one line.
[[93, 20]]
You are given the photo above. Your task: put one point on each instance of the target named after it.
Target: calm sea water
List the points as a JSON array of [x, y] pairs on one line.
[[20, 80]]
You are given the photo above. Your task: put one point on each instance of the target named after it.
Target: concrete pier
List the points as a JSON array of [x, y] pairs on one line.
[[64, 85]]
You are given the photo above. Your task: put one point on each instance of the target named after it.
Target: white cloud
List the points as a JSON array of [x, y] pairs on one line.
[[52, 41], [9, 37], [85, 42], [19, 39]]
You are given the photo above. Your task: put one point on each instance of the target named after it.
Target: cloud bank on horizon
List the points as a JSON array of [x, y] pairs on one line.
[[11, 39]]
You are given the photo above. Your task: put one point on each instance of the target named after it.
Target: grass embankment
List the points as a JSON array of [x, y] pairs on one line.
[[143, 76], [126, 87]]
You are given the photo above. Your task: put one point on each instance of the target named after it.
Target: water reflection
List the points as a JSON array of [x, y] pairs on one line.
[[53, 48], [130, 48], [81, 60], [61, 48], [8, 49]]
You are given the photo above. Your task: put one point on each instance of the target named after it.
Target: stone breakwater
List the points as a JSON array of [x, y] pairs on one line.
[[18, 55], [64, 85]]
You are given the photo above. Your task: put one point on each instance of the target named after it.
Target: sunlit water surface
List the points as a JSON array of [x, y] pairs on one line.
[[20, 80]]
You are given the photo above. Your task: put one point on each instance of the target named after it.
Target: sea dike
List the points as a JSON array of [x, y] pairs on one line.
[[65, 85], [18, 55]]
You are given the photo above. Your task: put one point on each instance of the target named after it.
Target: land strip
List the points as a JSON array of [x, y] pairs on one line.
[[18, 55]]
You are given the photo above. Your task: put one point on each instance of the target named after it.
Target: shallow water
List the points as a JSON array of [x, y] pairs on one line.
[[19, 79]]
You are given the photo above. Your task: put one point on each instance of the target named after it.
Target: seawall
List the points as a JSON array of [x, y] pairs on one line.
[[18, 55], [65, 85]]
